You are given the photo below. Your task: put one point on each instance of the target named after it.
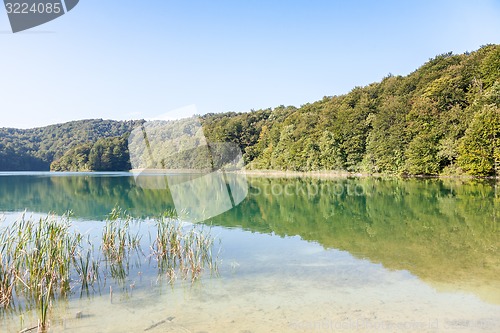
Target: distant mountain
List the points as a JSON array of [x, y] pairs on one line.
[[35, 149], [444, 118]]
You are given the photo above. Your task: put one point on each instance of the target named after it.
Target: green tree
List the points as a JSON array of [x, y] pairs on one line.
[[479, 150], [421, 155], [490, 67], [386, 140]]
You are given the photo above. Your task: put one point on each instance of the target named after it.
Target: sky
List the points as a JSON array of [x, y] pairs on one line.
[[141, 59]]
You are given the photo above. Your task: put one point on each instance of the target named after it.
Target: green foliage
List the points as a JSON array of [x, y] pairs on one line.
[[413, 125], [480, 147], [421, 156], [385, 141], [433, 121], [106, 154], [35, 149], [490, 67], [76, 159]]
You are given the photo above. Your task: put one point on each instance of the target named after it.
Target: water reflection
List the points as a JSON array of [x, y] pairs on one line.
[[443, 231]]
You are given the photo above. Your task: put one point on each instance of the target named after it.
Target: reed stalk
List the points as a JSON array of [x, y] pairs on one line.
[[44, 260]]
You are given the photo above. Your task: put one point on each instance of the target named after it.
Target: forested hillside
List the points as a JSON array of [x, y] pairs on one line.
[[444, 118], [106, 154], [35, 149]]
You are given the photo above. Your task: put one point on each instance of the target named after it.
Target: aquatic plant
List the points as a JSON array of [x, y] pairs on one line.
[[118, 241], [36, 258], [87, 267], [188, 252], [116, 237], [42, 260], [7, 279]]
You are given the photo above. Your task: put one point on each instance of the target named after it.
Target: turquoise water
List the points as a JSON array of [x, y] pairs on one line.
[[297, 255]]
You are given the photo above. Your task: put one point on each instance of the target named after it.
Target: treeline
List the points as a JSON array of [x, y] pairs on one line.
[[444, 118], [35, 149], [106, 154]]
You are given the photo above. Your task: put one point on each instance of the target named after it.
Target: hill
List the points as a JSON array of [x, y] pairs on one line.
[[444, 118], [35, 149]]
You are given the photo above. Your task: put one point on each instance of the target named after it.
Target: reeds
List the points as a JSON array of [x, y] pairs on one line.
[[44, 260], [188, 253], [117, 239], [36, 261], [118, 243], [7, 280], [87, 268]]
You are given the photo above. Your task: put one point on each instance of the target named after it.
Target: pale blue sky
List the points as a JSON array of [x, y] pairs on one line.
[[137, 59]]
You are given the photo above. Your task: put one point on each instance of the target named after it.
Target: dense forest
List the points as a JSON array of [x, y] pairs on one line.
[[35, 149], [442, 119], [106, 154]]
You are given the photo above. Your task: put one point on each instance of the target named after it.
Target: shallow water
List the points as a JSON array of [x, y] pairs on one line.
[[354, 255]]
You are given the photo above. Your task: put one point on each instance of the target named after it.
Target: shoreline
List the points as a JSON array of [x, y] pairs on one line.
[[327, 174], [345, 174]]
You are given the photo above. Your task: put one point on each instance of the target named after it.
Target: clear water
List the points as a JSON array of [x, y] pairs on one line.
[[298, 255]]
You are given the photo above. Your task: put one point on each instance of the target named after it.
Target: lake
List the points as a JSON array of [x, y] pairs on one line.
[[296, 255]]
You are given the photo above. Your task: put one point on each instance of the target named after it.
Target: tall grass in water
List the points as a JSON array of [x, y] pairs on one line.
[[44, 260], [118, 242], [7, 280], [117, 238], [87, 267], [37, 258], [186, 252]]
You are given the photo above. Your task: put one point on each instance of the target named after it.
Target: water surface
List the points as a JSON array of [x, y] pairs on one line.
[[298, 255]]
